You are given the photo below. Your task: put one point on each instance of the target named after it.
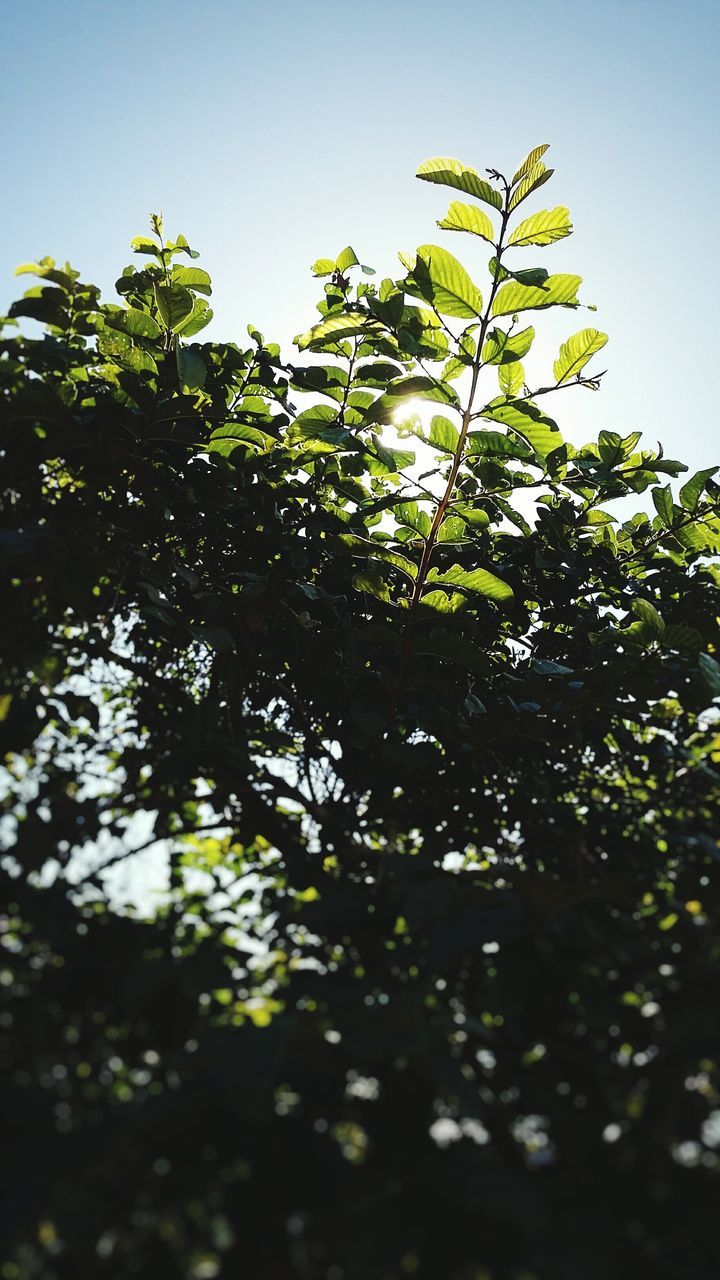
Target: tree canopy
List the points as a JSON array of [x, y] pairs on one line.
[[417, 696]]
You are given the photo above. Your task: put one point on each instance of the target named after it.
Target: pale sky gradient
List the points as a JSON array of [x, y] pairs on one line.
[[275, 133]]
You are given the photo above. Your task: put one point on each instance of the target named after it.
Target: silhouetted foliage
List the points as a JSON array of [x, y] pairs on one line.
[[422, 715]]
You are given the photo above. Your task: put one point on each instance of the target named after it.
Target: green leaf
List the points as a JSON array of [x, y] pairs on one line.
[[558, 290], [181, 246], [120, 348], [143, 244], [493, 444], [508, 510], [575, 353], [191, 369], [523, 416], [542, 228], [511, 377], [695, 537], [501, 348], [174, 303], [386, 407], [335, 328], [467, 217], [443, 434], [441, 602], [452, 173], [693, 489], [47, 270], [441, 280], [384, 461], [199, 317], [378, 551], [452, 529], [192, 278], [347, 259], [685, 639], [536, 177], [531, 275], [649, 615], [472, 514], [136, 323], [409, 513], [610, 447], [662, 499], [319, 424], [477, 580], [529, 162], [224, 440], [373, 584], [710, 672], [324, 267]]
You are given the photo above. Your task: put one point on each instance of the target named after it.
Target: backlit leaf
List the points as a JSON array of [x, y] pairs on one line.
[[334, 328], [502, 348], [480, 581], [575, 353], [174, 304], [535, 177], [558, 290], [542, 228], [693, 488], [523, 416], [453, 173], [192, 278], [529, 162], [441, 280], [443, 434], [511, 377], [493, 444], [467, 217], [662, 498]]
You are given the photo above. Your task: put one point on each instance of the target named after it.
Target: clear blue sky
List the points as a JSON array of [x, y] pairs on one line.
[[274, 133]]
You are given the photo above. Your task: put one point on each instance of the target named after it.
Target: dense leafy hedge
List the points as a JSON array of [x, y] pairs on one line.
[[416, 696]]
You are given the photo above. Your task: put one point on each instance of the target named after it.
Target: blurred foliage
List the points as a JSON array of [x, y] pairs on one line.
[[417, 697]]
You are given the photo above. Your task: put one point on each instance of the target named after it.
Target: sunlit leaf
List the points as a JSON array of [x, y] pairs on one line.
[[536, 177], [441, 280], [174, 304], [502, 348], [692, 490], [493, 444], [575, 353], [452, 173], [476, 580], [542, 228], [467, 217], [558, 290], [662, 498], [137, 323], [192, 278], [529, 162], [335, 328], [443, 434], [511, 377], [541, 432]]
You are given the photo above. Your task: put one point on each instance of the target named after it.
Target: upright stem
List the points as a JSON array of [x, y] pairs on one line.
[[447, 496]]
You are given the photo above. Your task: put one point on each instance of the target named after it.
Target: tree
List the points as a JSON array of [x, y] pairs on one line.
[[425, 727]]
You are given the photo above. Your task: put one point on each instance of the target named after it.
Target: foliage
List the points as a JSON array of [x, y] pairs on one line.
[[423, 724]]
